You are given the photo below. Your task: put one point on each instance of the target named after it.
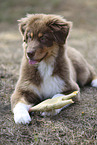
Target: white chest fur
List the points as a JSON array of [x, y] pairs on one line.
[[51, 85]]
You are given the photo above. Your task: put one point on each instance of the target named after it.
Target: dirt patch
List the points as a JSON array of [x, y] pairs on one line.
[[76, 124]]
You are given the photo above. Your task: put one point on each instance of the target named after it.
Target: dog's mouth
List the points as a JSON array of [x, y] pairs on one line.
[[36, 61]]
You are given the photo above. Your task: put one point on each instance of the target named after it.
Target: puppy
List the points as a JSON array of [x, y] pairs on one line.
[[48, 66]]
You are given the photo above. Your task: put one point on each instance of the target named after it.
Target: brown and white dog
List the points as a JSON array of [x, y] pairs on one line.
[[48, 67]]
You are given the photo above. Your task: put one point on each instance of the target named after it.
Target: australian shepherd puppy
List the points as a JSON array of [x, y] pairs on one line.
[[49, 67]]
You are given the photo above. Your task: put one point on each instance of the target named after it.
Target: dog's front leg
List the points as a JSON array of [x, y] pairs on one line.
[[21, 114], [20, 109]]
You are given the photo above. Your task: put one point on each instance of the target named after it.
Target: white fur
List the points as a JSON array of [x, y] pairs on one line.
[[21, 114], [94, 83], [56, 111], [51, 85], [51, 113]]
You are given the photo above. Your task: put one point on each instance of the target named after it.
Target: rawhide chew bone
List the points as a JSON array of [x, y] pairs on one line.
[[54, 103]]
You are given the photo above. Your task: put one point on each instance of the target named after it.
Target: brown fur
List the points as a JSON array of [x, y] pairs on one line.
[[45, 40]]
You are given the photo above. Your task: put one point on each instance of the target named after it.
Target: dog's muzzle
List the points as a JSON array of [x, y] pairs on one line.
[[30, 56]]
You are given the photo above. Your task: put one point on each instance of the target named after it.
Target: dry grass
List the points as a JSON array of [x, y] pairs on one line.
[[76, 125]]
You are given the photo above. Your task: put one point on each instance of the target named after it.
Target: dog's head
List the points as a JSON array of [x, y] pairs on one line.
[[43, 34]]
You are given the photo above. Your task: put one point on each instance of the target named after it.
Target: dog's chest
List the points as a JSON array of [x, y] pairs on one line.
[[50, 85]]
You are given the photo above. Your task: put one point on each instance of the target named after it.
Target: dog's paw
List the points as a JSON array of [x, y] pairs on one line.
[[22, 117], [51, 113], [21, 114], [94, 83]]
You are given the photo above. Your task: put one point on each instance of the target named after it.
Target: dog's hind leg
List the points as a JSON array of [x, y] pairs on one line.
[[87, 76]]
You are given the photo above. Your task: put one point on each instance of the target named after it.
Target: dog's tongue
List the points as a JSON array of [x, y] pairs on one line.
[[32, 62]]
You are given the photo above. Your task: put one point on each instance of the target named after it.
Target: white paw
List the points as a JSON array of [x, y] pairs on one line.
[[21, 114], [22, 117], [94, 83], [51, 113]]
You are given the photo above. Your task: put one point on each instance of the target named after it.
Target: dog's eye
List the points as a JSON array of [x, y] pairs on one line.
[[43, 39], [29, 36]]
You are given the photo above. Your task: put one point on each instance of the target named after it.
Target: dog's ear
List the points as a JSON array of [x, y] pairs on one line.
[[23, 22], [22, 25], [60, 29]]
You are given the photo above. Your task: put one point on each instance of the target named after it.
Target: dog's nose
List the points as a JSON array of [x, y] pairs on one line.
[[31, 54]]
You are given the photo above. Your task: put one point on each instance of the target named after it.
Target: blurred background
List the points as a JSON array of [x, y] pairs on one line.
[[82, 12]]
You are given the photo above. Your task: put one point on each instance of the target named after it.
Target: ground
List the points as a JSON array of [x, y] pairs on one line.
[[75, 125]]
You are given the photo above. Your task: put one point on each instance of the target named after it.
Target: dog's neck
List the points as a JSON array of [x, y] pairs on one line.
[[52, 65], [46, 68]]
